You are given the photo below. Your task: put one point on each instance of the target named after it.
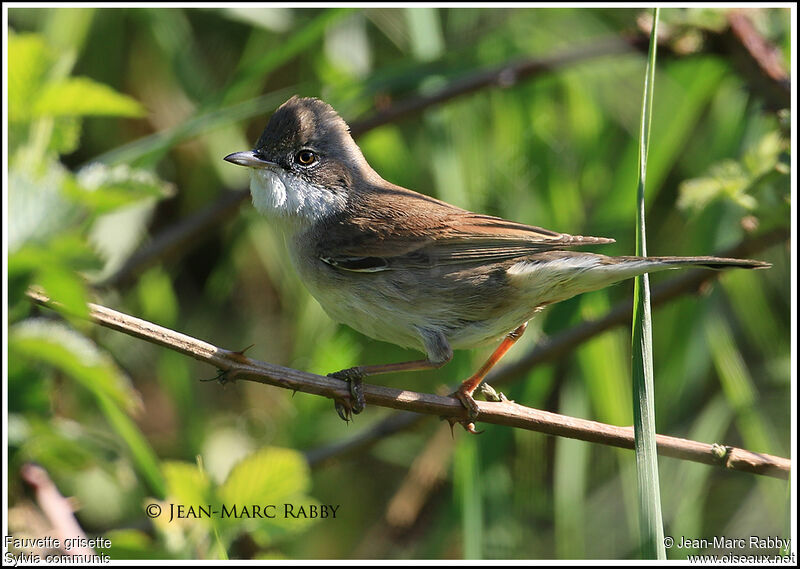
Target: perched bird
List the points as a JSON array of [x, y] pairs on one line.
[[409, 269]]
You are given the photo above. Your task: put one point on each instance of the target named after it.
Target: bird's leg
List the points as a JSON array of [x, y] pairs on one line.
[[354, 375], [465, 391]]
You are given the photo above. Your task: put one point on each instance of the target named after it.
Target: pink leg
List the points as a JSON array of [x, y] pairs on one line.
[[465, 391]]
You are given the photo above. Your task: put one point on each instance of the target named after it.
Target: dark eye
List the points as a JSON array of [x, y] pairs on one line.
[[305, 157]]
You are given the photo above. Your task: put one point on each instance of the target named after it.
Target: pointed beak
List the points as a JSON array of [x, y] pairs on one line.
[[250, 159]]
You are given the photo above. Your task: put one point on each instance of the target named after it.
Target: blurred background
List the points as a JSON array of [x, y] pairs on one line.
[[118, 122]]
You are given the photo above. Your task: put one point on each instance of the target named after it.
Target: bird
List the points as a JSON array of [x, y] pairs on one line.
[[406, 268]]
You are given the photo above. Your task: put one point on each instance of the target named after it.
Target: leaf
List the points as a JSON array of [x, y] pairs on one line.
[[53, 265], [66, 135], [186, 483], [132, 544], [106, 188], [725, 179], [741, 181], [76, 356], [81, 96], [266, 476], [65, 288], [765, 154], [40, 210], [29, 60], [142, 454]]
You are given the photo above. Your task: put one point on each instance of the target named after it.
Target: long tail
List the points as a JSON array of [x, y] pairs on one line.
[[715, 263], [556, 276]]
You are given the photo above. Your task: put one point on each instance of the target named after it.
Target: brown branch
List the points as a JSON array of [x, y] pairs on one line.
[[237, 366], [757, 60], [58, 511], [502, 76]]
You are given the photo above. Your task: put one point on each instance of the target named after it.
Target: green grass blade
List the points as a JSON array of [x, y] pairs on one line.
[[466, 482], [650, 522]]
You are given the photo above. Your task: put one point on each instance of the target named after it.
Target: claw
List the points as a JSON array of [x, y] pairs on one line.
[[223, 376], [343, 409], [472, 413], [353, 377], [469, 404], [357, 395]]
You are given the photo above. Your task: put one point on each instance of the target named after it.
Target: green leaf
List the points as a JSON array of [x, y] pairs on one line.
[[270, 476], [53, 265], [66, 135], [266, 476], [29, 60], [81, 96], [78, 357], [65, 288], [58, 446], [142, 454], [726, 179], [151, 147], [115, 235], [106, 188], [186, 483], [765, 154], [75, 355], [40, 209], [132, 544]]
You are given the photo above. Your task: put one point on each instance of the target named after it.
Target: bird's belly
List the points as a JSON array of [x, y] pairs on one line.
[[359, 301], [394, 307]]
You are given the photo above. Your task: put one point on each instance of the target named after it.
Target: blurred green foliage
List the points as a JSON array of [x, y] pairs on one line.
[[118, 122]]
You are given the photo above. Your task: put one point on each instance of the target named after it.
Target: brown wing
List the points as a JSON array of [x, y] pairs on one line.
[[403, 228]]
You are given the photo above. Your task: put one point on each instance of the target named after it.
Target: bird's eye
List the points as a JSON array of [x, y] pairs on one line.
[[305, 157]]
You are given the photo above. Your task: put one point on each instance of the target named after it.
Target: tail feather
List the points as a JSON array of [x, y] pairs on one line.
[[558, 275], [715, 263]]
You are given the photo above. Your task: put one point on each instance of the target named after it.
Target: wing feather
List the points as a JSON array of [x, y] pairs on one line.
[[404, 228]]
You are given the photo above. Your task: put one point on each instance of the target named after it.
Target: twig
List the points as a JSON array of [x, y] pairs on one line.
[[58, 511], [237, 366], [503, 76], [757, 60]]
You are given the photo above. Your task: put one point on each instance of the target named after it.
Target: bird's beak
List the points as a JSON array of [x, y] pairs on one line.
[[250, 159]]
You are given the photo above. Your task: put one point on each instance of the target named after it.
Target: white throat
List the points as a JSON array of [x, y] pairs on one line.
[[276, 193]]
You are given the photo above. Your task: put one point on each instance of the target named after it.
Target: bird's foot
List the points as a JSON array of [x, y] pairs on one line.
[[356, 403], [472, 411], [224, 376]]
